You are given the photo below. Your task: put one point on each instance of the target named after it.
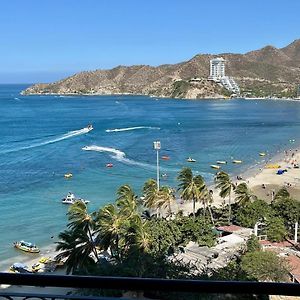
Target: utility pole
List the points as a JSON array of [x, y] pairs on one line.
[[157, 147]]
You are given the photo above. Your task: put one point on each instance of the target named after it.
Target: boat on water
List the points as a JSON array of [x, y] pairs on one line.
[[90, 127], [71, 199], [221, 162], [189, 159], [27, 247], [109, 165], [215, 167], [262, 154], [165, 157], [236, 161], [68, 175]]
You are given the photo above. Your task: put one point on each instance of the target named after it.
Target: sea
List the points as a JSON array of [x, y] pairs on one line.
[[42, 138]]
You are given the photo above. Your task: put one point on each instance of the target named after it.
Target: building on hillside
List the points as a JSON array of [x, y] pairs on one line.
[[217, 74]]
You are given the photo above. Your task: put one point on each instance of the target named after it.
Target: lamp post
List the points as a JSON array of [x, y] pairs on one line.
[[157, 147]]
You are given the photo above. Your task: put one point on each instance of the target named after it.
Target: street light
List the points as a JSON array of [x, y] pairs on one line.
[[157, 147]]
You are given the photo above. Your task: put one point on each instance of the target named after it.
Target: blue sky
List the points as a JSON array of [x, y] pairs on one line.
[[45, 40]]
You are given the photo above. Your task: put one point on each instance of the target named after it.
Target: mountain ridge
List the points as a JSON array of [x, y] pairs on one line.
[[263, 72]]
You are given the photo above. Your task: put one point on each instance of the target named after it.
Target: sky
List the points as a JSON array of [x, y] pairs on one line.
[[47, 40]]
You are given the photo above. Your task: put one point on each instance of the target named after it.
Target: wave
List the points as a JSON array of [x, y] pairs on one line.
[[117, 155], [131, 128], [65, 136]]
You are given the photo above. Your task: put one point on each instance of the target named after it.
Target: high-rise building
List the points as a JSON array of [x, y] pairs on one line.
[[217, 74], [217, 68]]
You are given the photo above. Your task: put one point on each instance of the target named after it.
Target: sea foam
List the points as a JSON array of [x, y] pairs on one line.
[[131, 128]]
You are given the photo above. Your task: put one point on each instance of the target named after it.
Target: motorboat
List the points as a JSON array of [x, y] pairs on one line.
[[68, 175], [90, 127], [27, 247], [165, 157], [215, 166], [189, 159], [262, 154], [221, 162], [236, 161], [109, 165], [71, 199]]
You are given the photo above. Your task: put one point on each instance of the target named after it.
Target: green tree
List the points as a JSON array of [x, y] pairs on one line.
[[127, 201], [226, 186], [243, 194], [276, 231], [253, 244], [151, 194], [190, 187], [282, 194], [166, 198], [265, 266], [75, 246], [253, 212]]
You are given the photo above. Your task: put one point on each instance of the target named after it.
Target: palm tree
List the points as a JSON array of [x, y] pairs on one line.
[[224, 183], [190, 187], [111, 229], [166, 197], [151, 194], [207, 200], [75, 247], [127, 201], [80, 219], [243, 194]]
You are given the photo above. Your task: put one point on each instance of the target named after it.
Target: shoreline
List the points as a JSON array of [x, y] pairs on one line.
[[254, 176]]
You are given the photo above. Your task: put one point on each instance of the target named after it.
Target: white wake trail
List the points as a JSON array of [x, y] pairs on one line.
[[131, 128], [117, 155], [47, 142]]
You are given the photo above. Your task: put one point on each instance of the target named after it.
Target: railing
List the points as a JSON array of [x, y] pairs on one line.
[[136, 284]]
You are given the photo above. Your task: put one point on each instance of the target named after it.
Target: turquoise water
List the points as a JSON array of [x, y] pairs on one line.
[[41, 139]]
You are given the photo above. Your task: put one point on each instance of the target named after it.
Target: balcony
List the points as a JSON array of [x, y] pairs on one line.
[[147, 285]]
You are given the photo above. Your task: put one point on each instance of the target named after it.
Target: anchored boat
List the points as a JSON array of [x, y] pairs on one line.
[[68, 175], [236, 161], [221, 162], [215, 167], [71, 199], [27, 247], [191, 159]]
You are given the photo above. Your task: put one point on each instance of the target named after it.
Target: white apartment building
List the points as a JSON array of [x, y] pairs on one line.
[[217, 68], [217, 74]]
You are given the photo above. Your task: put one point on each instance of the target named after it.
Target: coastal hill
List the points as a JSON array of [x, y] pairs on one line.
[[265, 72]]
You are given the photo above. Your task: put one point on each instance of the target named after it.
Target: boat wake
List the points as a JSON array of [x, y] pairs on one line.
[[131, 128], [65, 136], [117, 155]]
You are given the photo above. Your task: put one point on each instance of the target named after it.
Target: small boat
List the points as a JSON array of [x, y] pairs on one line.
[[262, 154], [221, 162], [189, 159], [109, 165], [90, 127], [27, 247], [215, 166], [71, 199], [19, 268], [236, 161], [68, 175], [165, 157], [164, 176]]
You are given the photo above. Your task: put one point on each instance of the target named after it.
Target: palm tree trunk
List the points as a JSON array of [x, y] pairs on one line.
[[194, 208], [94, 248], [211, 216], [229, 210], [204, 209]]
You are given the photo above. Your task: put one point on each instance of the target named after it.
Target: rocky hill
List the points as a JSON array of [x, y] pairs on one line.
[[264, 72]]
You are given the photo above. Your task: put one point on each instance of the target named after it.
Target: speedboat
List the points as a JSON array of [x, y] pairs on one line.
[[189, 159], [27, 247], [215, 166], [71, 199], [68, 175], [109, 165], [236, 161], [90, 127], [221, 162]]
